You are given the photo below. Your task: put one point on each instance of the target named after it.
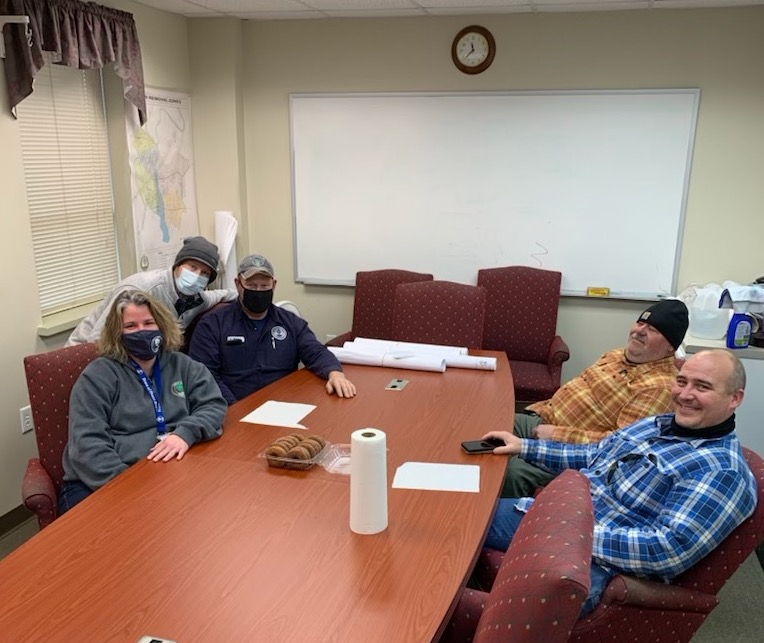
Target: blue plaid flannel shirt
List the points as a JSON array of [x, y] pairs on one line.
[[661, 502]]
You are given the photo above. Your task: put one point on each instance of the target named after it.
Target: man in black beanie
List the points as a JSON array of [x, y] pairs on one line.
[[622, 386], [182, 288]]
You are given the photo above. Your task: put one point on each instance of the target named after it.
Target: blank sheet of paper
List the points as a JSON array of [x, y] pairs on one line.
[[438, 477], [275, 413]]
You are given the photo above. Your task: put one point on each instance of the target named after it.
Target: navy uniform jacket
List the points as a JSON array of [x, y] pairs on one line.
[[245, 355]]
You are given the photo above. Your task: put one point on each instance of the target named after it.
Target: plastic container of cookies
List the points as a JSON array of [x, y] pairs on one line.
[[335, 458]]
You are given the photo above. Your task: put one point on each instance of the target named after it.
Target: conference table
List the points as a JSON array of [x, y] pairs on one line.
[[219, 547]]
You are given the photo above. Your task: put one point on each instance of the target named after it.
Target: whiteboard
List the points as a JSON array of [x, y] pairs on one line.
[[590, 183]]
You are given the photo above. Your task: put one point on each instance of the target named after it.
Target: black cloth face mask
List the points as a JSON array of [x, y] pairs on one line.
[[257, 301], [143, 344]]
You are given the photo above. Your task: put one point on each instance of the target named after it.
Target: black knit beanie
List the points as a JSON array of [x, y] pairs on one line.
[[670, 318], [200, 249]]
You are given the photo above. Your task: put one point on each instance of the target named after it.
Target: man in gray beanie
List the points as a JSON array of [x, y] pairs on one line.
[[621, 387], [182, 288]]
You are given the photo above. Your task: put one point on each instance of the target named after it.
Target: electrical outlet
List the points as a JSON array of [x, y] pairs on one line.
[[27, 424]]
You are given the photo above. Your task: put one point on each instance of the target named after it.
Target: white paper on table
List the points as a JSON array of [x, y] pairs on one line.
[[433, 476], [389, 345], [275, 413], [226, 227], [413, 362]]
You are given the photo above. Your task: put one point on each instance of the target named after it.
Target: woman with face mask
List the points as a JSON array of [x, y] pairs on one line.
[[140, 399]]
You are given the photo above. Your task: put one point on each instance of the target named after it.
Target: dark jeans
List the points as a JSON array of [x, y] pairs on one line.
[[503, 527], [71, 493]]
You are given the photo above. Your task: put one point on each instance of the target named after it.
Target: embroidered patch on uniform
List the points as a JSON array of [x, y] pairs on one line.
[[177, 389], [278, 332]]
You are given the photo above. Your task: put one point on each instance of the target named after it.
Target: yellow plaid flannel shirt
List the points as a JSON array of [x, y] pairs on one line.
[[609, 395]]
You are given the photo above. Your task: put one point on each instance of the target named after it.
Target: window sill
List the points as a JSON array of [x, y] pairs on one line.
[[62, 322]]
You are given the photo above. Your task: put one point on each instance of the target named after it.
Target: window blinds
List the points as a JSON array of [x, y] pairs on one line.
[[69, 193]]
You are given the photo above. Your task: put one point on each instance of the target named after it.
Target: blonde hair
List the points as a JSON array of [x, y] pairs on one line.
[[110, 341]]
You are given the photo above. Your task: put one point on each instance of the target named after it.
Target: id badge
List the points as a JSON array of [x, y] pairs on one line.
[[162, 436]]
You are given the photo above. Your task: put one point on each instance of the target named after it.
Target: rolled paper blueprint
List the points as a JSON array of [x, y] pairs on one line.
[[412, 363], [390, 345], [471, 361], [368, 481], [449, 356]]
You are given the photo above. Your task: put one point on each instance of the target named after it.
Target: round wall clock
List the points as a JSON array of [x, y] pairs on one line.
[[473, 49]]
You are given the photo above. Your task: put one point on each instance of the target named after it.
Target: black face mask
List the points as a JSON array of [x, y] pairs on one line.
[[257, 301], [143, 344]]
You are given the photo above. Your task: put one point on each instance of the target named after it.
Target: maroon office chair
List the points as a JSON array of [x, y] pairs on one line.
[[439, 312], [50, 378], [543, 579], [634, 609], [373, 303], [521, 320]]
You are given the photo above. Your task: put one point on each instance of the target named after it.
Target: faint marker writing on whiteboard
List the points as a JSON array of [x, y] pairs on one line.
[[536, 255]]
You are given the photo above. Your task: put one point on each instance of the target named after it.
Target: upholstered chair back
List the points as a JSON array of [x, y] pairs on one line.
[[373, 303], [50, 377], [521, 319], [544, 577], [439, 312]]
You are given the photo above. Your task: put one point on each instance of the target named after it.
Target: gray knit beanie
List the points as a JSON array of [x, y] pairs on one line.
[[200, 249]]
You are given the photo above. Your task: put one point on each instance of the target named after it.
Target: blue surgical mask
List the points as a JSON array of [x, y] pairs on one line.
[[143, 344], [190, 283]]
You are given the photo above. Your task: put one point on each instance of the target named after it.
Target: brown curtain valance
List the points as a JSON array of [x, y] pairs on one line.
[[83, 35]]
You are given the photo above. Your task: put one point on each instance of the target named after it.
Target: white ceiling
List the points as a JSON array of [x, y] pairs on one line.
[[318, 9]]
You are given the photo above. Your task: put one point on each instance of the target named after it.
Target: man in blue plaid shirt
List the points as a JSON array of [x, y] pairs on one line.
[[666, 490]]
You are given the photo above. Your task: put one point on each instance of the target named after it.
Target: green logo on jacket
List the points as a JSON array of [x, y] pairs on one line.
[[177, 389]]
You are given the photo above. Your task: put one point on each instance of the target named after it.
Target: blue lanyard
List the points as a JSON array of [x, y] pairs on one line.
[[161, 424]]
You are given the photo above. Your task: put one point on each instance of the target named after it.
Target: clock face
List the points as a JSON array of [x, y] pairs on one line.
[[473, 49]]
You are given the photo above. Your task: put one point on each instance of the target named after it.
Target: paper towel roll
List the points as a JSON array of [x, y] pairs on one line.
[[368, 481]]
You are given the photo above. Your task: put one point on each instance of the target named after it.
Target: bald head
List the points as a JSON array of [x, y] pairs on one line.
[[708, 389]]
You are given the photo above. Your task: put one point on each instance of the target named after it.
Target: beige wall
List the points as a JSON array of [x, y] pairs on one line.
[[241, 74], [165, 61], [720, 51]]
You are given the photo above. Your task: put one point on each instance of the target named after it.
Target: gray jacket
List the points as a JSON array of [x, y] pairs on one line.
[[112, 421], [158, 283]]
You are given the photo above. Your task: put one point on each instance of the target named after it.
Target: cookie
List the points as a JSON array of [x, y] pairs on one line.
[[299, 452], [289, 440], [277, 450]]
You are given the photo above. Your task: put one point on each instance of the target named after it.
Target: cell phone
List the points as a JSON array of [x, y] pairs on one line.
[[482, 446]]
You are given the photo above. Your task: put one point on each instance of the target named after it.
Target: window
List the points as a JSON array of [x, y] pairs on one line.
[[69, 191]]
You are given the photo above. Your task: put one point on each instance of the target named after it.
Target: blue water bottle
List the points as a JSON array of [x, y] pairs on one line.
[[739, 331]]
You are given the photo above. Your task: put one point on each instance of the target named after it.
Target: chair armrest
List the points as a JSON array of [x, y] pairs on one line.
[[38, 493], [340, 339], [638, 592], [558, 352]]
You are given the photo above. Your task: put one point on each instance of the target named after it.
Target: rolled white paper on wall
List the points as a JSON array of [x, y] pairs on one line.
[[413, 363], [389, 345], [226, 227], [368, 481]]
